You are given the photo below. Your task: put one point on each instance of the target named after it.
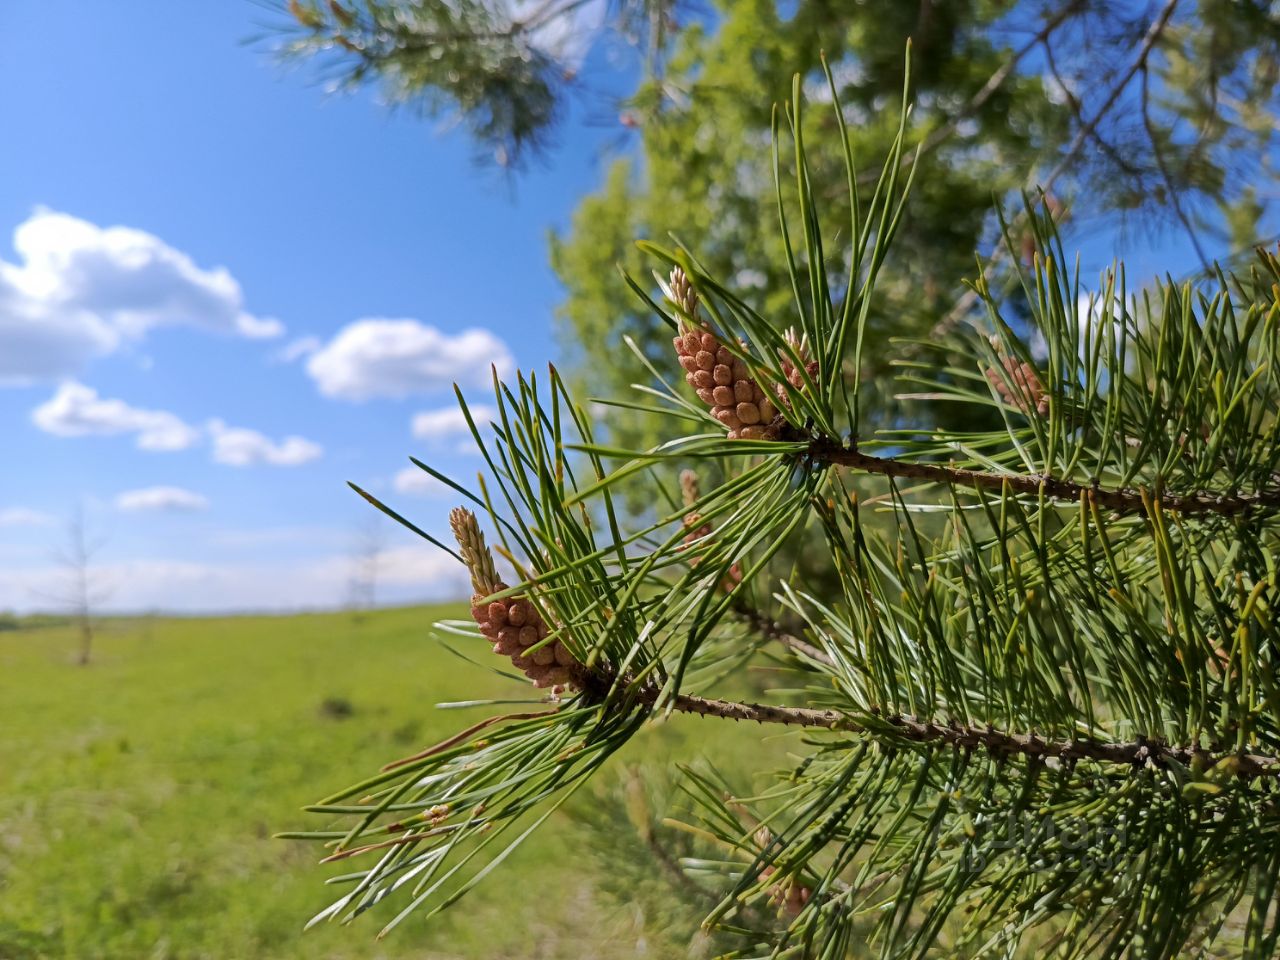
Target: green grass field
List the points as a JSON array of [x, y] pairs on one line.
[[138, 795]]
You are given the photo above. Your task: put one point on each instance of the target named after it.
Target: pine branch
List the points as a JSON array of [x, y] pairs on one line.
[[1071, 632], [597, 683], [942, 134], [1122, 500], [999, 742], [1086, 132], [1150, 127], [771, 630]]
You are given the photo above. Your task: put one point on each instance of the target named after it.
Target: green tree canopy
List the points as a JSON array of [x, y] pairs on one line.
[[1009, 97], [1160, 114]]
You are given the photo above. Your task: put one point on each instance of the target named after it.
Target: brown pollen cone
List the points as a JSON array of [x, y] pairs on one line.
[[513, 625], [720, 379], [790, 897], [698, 528], [1019, 385]]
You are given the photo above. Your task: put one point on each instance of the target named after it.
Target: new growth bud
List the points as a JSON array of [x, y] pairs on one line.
[[475, 553], [513, 625], [795, 376], [692, 520]]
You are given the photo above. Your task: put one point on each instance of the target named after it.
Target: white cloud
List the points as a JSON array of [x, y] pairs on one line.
[[376, 357], [259, 537], [240, 447], [439, 425], [76, 410], [426, 568], [78, 291], [24, 517], [417, 482], [37, 343], [161, 499], [297, 349]]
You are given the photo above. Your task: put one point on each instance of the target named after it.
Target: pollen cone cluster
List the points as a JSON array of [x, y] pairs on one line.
[[697, 528], [790, 897], [1019, 386], [720, 379], [512, 625]]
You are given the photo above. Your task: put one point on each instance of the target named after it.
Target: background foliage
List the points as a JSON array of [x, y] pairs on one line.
[[1148, 116]]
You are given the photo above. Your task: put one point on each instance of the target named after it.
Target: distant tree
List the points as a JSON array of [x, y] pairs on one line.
[[367, 552], [82, 590]]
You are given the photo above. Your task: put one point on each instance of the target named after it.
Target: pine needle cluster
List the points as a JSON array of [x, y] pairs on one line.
[[1033, 693]]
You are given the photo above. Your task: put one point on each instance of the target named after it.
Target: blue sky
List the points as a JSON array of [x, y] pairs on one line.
[[252, 200], [224, 293]]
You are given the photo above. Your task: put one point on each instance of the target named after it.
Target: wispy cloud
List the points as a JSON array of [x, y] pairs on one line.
[[397, 358], [161, 500], [446, 423], [405, 574], [76, 410], [24, 517], [78, 291], [417, 482], [241, 447], [297, 349]]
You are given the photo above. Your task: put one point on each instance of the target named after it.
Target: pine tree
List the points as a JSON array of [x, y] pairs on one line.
[[1035, 708], [1120, 111], [1149, 116]]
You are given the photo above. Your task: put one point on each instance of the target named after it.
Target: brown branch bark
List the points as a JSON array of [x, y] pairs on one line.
[[1000, 742], [1123, 500], [771, 630], [600, 684]]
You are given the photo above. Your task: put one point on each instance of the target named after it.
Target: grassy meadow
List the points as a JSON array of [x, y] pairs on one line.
[[138, 795]]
